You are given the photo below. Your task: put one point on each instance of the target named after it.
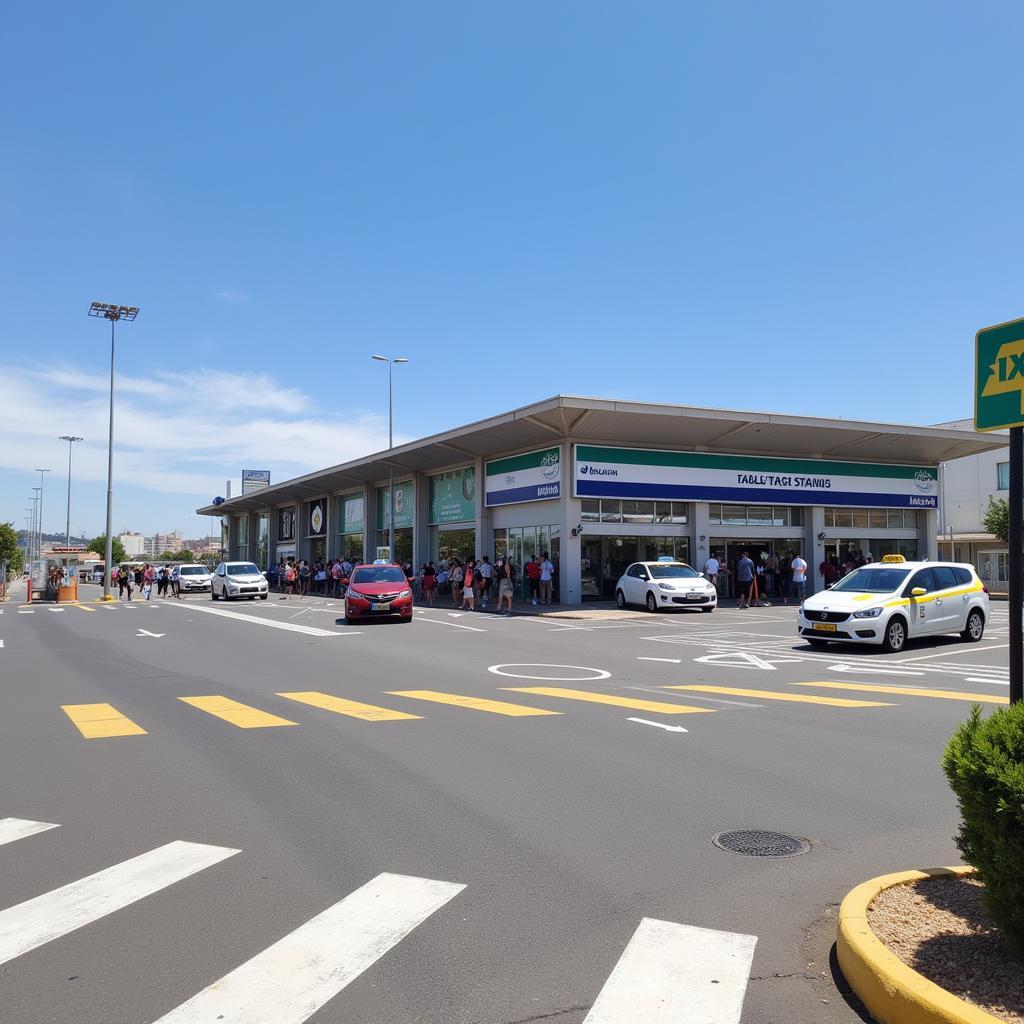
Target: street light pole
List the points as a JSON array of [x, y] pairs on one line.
[[113, 313], [391, 444], [41, 481], [35, 525], [71, 439]]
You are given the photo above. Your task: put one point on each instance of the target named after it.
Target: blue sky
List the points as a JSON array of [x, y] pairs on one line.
[[800, 207]]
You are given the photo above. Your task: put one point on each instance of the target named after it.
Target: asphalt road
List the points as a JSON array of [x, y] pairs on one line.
[[567, 829]]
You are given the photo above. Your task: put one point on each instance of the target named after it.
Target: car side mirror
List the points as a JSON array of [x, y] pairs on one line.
[[644, 576], [918, 592]]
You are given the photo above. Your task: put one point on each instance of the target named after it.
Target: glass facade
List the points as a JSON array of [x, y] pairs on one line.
[[872, 519], [520, 542], [755, 515], [403, 545], [615, 510], [263, 540], [242, 532], [605, 559], [1003, 476]]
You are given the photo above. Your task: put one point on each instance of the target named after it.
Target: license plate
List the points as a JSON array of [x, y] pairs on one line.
[[383, 606], [694, 597], [825, 627]]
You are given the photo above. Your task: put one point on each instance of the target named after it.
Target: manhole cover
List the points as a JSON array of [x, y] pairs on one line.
[[757, 843]]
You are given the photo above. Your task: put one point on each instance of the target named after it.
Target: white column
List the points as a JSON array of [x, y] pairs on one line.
[[927, 534], [484, 533], [701, 548], [369, 523], [814, 553], [570, 574], [420, 530]]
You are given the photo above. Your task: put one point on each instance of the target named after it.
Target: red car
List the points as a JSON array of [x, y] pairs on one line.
[[378, 591]]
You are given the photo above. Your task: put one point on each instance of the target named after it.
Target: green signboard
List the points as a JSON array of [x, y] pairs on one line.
[[351, 514], [999, 376], [453, 497], [405, 498]]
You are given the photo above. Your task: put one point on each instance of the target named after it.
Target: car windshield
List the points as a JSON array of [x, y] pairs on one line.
[[672, 571], [379, 574], [873, 581], [192, 570], [242, 569]]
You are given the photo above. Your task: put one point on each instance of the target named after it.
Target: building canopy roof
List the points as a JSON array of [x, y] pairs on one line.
[[639, 424]]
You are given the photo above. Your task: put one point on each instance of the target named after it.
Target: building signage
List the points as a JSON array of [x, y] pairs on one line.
[[317, 520], [534, 476], [453, 497], [286, 524], [699, 476], [255, 480], [352, 516], [405, 497]]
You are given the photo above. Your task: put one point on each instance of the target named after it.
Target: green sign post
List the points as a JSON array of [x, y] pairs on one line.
[[999, 404]]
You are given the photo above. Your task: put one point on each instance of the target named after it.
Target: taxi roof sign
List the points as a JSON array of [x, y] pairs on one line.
[[999, 376], [893, 558]]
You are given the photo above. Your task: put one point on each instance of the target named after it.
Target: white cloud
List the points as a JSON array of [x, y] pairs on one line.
[[176, 433], [232, 295]]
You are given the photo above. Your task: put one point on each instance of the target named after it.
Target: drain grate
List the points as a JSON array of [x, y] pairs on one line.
[[750, 842]]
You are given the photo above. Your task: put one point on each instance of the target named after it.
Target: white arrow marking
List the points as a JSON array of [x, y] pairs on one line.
[[146, 632], [673, 972], [880, 671], [659, 725], [674, 661], [743, 659]]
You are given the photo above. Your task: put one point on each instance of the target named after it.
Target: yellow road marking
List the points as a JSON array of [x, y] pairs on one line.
[[635, 704], [231, 711], [496, 707], [912, 691], [101, 721], [367, 712], [85, 608], [797, 698]]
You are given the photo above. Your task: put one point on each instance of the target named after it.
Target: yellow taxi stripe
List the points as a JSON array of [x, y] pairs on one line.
[[353, 708], [797, 698], [231, 711], [912, 691], [633, 703], [496, 707], [101, 721], [84, 607]]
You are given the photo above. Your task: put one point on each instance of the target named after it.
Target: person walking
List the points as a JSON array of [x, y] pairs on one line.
[[486, 576], [506, 583], [468, 583], [547, 571], [711, 568], [799, 567], [744, 579], [532, 570], [162, 580], [429, 583], [456, 576]]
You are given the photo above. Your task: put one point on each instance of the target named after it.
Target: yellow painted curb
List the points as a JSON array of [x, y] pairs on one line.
[[893, 992]]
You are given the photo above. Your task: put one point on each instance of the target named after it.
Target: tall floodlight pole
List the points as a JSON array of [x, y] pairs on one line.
[[35, 525], [391, 444], [112, 313], [71, 439], [41, 482], [28, 540]]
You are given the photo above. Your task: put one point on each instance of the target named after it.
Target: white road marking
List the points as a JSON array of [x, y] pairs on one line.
[[659, 725], [946, 653], [454, 625], [674, 661], [879, 671], [988, 679], [746, 659], [51, 609], [290, 980], [146, 632], [25, 611], [47, 917], [598, 673], [673, 972], [698, 696], [12, 829], [242, 617]]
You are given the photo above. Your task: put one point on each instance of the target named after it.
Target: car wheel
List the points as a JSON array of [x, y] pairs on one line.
[[975, 627], [652, 604], [895, 638], [620, 599], [707, 611], [818, 645], [263, 597], [213, 594]]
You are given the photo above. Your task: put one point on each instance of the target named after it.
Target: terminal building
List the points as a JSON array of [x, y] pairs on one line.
[[599, 483]]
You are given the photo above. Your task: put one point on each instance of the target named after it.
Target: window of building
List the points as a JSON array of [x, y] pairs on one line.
[[871, 518], [263, 540], [614, 510], [1003, 476], [754, 515]]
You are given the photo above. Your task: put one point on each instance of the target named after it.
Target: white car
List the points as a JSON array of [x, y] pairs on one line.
[[191, 578], [238, 579], [665, 584], [894, 600]]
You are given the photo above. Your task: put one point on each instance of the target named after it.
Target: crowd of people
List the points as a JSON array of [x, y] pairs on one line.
[[141, 578]]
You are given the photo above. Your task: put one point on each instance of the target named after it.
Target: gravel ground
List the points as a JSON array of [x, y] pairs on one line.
[[939, 927]]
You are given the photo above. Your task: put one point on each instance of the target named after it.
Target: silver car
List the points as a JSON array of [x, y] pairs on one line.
[[191, 578], [238, 579]]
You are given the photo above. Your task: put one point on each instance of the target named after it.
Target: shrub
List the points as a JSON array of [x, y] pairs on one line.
[[984, 763]]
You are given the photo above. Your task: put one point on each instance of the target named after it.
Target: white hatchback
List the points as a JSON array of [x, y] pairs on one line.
[[665, 585], [891, 601], [238, 579]]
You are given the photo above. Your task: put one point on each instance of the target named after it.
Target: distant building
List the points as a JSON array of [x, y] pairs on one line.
[[134, 544]]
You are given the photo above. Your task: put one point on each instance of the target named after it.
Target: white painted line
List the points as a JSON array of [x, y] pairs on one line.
[[242, 617], [948, 652], [47, 917], [659, 725], [290, 980], [20, 828], [596, 673], [146, 632], [674, 661], [878, 671], [25, 611], [698, 696], [987, 679], [673, 972], [454, 625], [51, 609]]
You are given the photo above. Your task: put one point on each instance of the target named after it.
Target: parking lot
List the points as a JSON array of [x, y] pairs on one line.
[[570, 773]]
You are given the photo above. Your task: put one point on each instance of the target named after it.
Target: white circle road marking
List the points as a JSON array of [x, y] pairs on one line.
[[600, 672]]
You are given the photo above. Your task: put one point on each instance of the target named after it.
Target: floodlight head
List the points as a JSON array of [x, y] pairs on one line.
[[380, 359], [110, 311], [69, 437], [401, 359]]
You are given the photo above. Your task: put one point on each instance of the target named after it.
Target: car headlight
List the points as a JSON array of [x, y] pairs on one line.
[[868, 613], [404, 593], [666, 586]]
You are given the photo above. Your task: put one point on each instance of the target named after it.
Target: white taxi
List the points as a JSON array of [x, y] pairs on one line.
[[894, 600], [665, 584]]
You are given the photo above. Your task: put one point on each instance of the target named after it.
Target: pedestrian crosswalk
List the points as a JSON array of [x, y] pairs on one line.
[[667, 972], [104, 721]]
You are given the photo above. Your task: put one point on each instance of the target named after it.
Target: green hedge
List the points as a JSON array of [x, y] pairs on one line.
[[984, 762]]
